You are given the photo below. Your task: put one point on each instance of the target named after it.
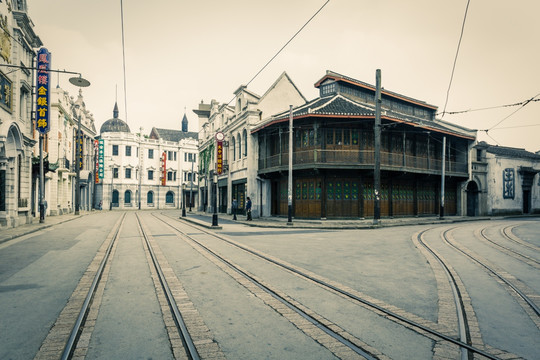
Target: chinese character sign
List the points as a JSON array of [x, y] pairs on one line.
[[219, 157], [80, 151], [6, 92], [42, 86], [101, 157], [163, 168]]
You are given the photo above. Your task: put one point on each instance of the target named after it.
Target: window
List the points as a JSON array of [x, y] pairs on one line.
[[150, 197], [128, 150], [478, 155], [170, 155], [239, 147], [115, 173], [127, 197], [169, 176], [128, 173], [169, 198], [150, 153], [115, 197], [233, 147], [174, 153], [244, 135], [115, 150], [150, 174]]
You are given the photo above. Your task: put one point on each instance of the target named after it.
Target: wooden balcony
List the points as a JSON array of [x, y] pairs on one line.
[[360, 159]]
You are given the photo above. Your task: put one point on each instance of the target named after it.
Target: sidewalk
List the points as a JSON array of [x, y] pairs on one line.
[[10, 233], [205, 219]]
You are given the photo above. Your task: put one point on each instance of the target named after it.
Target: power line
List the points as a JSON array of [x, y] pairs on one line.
[[284, 46], [488, 108], [124, 58], [525, 103], [455, 59]]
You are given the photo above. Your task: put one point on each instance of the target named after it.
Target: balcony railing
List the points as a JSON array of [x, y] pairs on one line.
[[359, 158]]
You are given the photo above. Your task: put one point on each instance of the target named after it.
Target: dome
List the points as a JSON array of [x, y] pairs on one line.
[[115, 124]]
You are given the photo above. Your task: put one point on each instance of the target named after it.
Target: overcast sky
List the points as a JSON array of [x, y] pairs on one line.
[[181, 52]]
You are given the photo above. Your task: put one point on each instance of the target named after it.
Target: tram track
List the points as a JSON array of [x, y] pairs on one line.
[[396, 315], [62, 344], [505, 232], [514, 286]]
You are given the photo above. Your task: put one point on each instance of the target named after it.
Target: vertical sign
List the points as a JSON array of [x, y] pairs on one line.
[[164, 168], [80, 151], [219, 155], [101, 158], [96, 157], [42, 85]]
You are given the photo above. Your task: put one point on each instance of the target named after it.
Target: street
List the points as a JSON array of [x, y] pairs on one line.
[[261, 292]]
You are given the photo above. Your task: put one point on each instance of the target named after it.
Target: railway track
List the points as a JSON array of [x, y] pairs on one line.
[[418, 326], [70, 347]]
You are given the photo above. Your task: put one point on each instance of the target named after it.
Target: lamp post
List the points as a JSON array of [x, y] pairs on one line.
[[191, 187], [183, 200], [112, 181], [79, 82], [215, 215]]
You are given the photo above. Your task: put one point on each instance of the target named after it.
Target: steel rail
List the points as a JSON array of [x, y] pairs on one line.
[[516, 255], [533, 306], [76, 330], [347, 294], [189, 346], [464, 332], [512, 237], [357, 349]]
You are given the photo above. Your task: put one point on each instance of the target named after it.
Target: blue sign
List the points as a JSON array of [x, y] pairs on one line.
[[42, 86], [101, 153]]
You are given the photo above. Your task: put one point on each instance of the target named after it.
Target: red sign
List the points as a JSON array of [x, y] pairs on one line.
[[96, 172], [219, 157], [164, 168]]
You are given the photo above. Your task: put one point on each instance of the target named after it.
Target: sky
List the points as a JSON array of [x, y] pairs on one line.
[[179, 53]]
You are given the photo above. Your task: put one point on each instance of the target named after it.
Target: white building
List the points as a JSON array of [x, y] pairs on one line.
[[17, 134], [504, 181], [135, 175], [239, 179], [60, 152]]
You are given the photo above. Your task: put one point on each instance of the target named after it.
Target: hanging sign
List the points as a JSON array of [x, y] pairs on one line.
[[42, 85], [163, 168], [219, 149], [96, 157], [101, 158]]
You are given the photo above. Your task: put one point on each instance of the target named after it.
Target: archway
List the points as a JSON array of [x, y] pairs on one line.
[[472, 198]]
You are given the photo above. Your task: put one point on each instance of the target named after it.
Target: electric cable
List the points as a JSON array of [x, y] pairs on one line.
[[455, 59], [284, 46]]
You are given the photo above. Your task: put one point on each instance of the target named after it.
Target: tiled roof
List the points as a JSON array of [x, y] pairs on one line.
[[512, 152], [339, 105], [175, 135]]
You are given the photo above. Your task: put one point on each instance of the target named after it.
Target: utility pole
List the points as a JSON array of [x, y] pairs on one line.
[[441, 212], [377, 128], [289, 185]]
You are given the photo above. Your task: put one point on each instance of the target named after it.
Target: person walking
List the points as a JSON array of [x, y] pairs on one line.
[[234, 207], [248, 209]]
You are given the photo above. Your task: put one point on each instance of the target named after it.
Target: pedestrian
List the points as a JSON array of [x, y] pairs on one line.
[[248, 209], [234, 207], [100, 204]]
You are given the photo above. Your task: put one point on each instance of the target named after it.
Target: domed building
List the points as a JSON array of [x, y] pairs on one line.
[[115, 124], [145, 171]]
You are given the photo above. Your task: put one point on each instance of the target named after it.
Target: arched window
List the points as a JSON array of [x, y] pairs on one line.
[[233, 146], [127, 197], [239, 147], [244, 136], [150, 197], [115, 197], [169, 198]]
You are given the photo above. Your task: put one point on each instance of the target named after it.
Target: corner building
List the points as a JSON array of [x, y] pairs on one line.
[[334, 155]]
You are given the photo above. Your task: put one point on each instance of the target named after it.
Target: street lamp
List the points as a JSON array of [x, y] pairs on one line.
[[80, 82], [215, 215], [112, 181], [184, 200]]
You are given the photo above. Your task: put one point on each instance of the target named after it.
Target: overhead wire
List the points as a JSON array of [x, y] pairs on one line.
[[455, 58], [124, 59], [284, 46]]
